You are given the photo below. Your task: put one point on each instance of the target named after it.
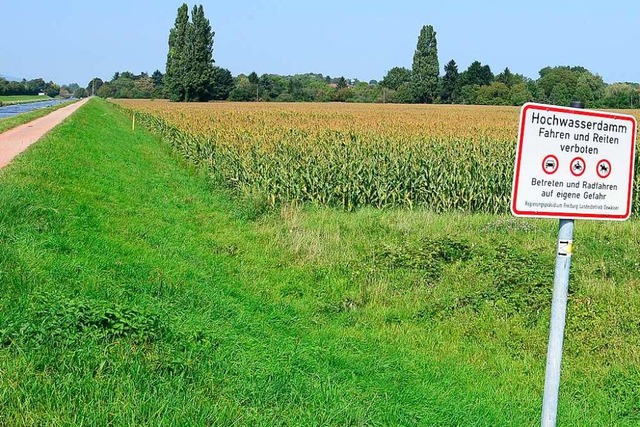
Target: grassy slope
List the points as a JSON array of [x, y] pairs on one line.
[[133, 293], [15, 121]]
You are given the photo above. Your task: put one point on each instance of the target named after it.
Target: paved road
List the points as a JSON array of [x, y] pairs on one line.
[[16, 140]]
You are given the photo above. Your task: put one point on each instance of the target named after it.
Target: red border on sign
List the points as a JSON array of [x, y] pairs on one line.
[[576, 174], [544, 169], [598, 168], [559, 214]]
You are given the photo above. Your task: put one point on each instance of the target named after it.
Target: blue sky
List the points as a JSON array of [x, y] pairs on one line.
[[75, 40]]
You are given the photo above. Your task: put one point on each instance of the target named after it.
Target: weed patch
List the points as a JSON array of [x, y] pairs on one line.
[[512, 281], [53, 320], [428, 257]]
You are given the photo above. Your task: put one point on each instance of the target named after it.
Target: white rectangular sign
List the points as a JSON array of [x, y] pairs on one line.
[[573, 163]]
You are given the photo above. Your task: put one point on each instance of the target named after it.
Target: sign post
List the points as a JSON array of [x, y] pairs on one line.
[[570, 163]]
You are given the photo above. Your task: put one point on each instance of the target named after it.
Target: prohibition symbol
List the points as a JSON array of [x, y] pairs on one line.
[[603, 169], [550, 164], [577, 166]]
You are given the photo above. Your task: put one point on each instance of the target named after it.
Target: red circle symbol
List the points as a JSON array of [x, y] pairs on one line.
[[603, 168], [550, 164], [577, 166]]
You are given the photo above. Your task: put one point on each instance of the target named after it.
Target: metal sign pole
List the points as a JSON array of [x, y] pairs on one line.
[[558, 318]]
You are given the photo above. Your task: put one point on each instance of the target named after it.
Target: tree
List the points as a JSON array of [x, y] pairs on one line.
[[519, 94], [107, 90], [222, 84], [497, 93], [425, 69], [477, 74], [561, 94], [200, 54], [177, 61], [94, 85], [143, 87], [621, 95], [450, 82], [396, 77], [80, 93], [52, 89], [189, 73], [404, 94], [343, 95], [469, 94], [589, 89], [255, 81], [506, 77], [243, 90]]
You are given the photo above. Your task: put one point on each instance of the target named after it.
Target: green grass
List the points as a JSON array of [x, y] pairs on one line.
[[21, 99], [133, 292], [20, 119]]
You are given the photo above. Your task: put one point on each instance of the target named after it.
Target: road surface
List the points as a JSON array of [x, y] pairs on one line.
[[16, 140]]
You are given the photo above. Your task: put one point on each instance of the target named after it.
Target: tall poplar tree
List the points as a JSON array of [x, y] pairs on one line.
[[200, 54], [190, 71], [177, 60], [426, 68]]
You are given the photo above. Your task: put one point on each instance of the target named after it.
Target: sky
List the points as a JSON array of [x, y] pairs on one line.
[[73, 41]]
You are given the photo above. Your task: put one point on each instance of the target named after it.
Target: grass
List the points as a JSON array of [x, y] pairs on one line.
[[21, 99], [20, 119], [132, 292]]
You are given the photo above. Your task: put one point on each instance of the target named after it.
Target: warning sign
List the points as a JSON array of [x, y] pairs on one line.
[[587, 162]]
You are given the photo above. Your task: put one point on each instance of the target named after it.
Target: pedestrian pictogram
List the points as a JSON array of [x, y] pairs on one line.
[[578, 166], [603, 169], [550, 164]]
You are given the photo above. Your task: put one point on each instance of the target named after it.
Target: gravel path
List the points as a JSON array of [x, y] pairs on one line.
[[16, 140]]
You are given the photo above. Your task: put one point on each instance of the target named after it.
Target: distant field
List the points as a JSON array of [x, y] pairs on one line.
[[19, 99]]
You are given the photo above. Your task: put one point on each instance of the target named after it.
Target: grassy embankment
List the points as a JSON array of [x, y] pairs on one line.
[[20, 119], [132, 292]]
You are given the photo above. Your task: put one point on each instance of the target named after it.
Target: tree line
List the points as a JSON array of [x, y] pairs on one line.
[[479, 85], [28, 87], [192, 76]]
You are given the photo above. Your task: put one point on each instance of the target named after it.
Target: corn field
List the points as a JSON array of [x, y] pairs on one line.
[[439, 157]]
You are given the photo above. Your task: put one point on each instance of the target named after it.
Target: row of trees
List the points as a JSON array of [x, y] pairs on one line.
[[478, 84], [126, 84], [28, 87], [475, 85], [192, 76], [268, 87]]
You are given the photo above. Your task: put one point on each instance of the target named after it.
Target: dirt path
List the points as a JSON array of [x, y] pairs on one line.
[[16, 140]]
